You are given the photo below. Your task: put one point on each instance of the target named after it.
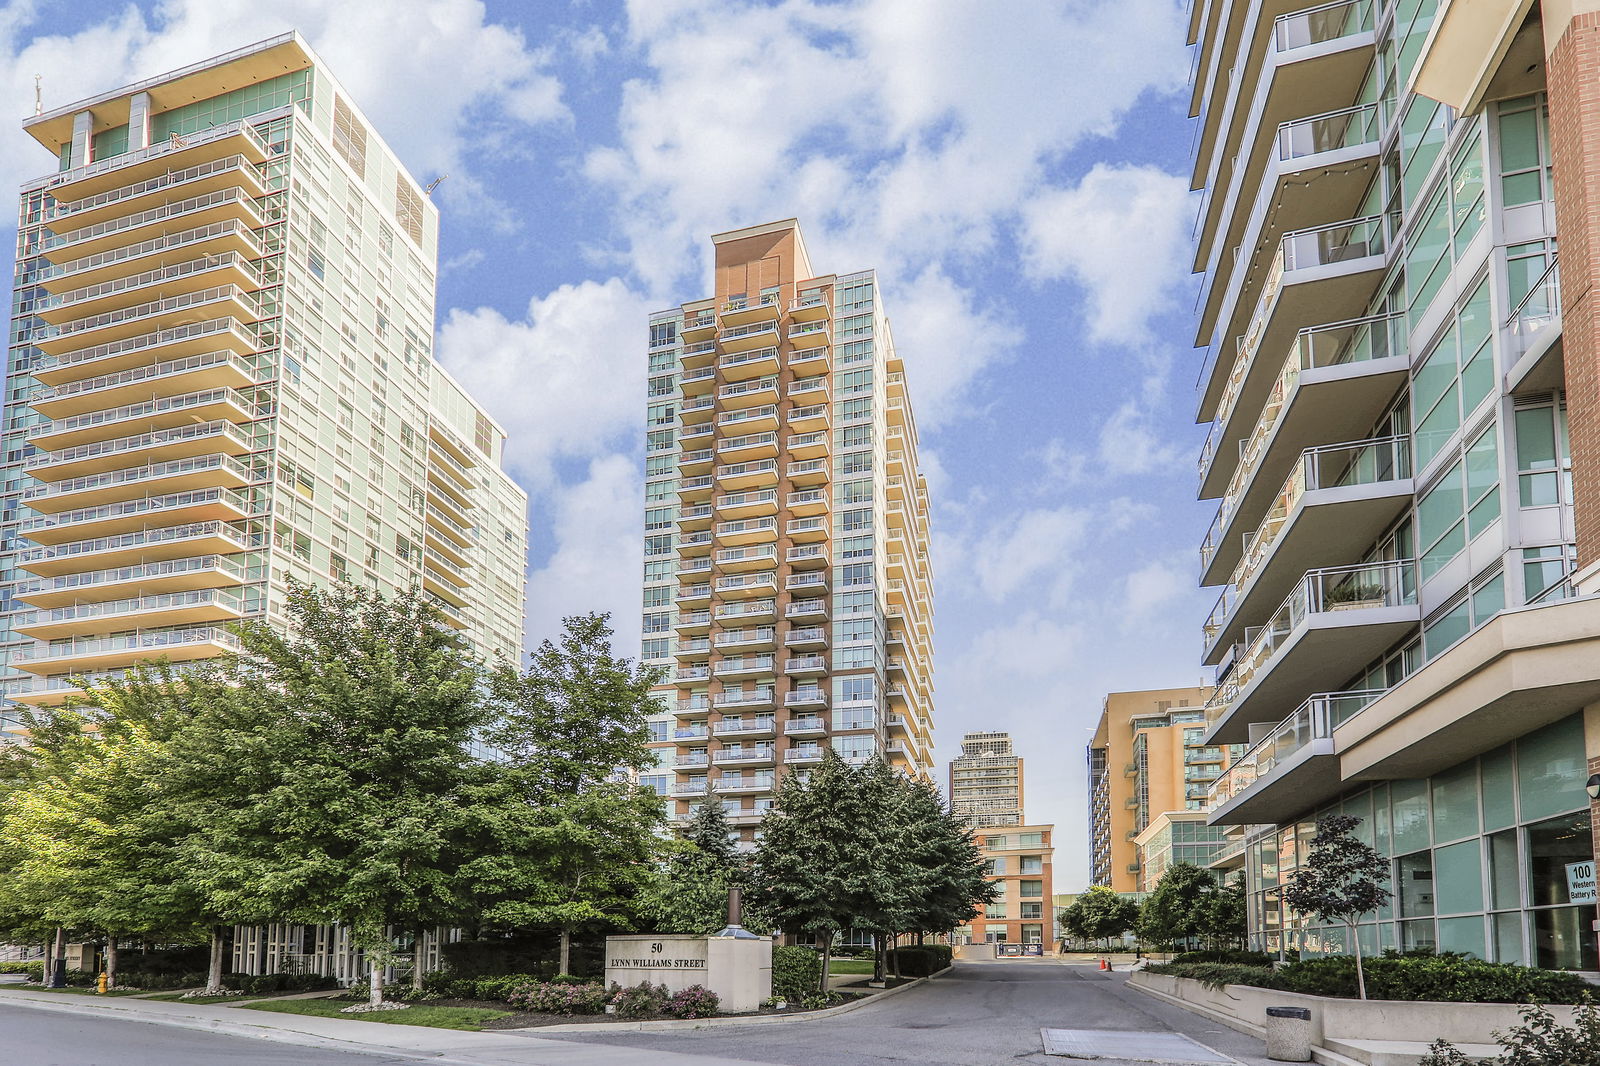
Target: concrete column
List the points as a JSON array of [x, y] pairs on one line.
[[138, 121], [82, 138], [1572, 44]]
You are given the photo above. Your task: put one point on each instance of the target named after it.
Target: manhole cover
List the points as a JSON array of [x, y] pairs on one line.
[[1125, 1044]]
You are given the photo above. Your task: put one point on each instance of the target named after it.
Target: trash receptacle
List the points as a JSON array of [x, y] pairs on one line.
[[1289, 1034]]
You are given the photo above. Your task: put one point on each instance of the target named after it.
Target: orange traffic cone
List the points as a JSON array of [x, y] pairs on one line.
[[1104, 965]]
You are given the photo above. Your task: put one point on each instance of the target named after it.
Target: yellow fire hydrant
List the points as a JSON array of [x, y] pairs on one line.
[[100, 987]]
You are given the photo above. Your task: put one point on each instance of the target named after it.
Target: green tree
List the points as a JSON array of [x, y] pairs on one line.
[[949, 877], [1172, 914], [358, 768], [690, 892], [1221, 915], [568, 839], [808, 874], [1341, 879], [1103, 914]]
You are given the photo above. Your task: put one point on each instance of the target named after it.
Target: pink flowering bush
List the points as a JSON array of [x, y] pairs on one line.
[[693, 1002], [547, 997], [641, 1000]]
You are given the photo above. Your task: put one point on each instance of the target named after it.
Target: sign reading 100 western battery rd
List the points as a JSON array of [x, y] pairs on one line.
[[655, 957]]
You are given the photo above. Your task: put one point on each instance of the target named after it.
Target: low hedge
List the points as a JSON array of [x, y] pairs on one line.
[[918, 960], [796, 973], [34, 970], [1227, 956], [1444, 978]]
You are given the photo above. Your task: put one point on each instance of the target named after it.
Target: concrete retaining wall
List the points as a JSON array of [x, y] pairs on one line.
[[1344, 1019]]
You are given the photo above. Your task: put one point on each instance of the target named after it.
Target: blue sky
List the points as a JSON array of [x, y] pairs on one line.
[[1019, 182]]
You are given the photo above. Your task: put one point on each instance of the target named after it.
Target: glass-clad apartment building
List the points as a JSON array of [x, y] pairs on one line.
[[1400, 630], [787, 586], [220, 380]]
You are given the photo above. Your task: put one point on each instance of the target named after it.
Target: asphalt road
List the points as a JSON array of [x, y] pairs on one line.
[[47, 1038], [980, 1014]]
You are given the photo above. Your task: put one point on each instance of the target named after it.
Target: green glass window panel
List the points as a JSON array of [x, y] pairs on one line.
[[1428, 258], [1416, 886], [1440, 508], [1489, 600], [1421, 139], [1505, 881], [1517, 189], [1508, 938], [1523, 271], [1467, 204], [1483, 466], [1553, 845], [1458, 878], [1536, 439], [1409, 803], [1475, 319], [1435, 430], [1455, 802], [1477, 379], [1563, 938], [110, 143], [1538, 490], [1462, 934], [1445, 630], [1519, 140], [1551, 769], [1435, 375], [1483, 514]]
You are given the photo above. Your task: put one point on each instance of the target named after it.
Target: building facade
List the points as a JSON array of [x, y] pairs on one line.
[[986, 781], [786, 576], [1406, 520], [1148, 756], [1020, 861], [220, 380]]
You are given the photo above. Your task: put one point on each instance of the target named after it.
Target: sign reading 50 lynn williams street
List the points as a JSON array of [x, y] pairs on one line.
[[656, 954]]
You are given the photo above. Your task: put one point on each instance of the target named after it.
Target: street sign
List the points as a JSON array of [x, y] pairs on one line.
[[1581, 883]]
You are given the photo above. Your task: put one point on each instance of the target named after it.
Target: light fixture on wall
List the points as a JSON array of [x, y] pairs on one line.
[[1593, 785]]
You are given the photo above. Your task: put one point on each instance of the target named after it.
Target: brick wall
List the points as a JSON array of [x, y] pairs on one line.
[[1574, 92]]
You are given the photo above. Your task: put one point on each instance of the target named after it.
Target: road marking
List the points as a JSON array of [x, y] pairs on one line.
[[1129, 1044]]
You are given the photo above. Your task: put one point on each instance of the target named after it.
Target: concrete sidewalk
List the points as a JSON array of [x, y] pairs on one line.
[[447, 1047]]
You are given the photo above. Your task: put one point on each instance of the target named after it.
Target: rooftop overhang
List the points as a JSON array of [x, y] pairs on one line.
[[1522, 670], [1480, 50]]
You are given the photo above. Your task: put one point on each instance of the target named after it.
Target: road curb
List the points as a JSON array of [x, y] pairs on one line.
[[730, 1021]]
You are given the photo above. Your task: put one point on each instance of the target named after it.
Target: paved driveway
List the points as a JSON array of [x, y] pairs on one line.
[[980, 1014]]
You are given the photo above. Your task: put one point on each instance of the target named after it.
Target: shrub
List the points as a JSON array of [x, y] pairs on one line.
[[1446, 978], [640, 1000], [442, 984], [1229, 956], [548, 997], [33, 970], [796, 972], [695, 1001], [1538, 1040], [81, 978], [499, 989], [917, 961]]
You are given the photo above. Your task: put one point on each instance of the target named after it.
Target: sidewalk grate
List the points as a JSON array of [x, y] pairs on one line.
[[1125, 1044]]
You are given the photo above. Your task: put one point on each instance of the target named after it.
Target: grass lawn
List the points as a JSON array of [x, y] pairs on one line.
[[850, 965], [175, 997], [467, 1018]]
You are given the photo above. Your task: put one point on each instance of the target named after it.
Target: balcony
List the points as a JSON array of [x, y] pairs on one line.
[[147, 546], [694, 436], [695, 488], [176, 343], [747, 666], [692, 569], [692, 675], [1333, 384], [808, 699], [811, 306], [1535, 342], [750, 351], [812, 418], [695, 409], [160, 446], [808, 557], [744, 310], [1289, 770], [809, 472], [752, 699], [691, 789], [747, 531], [748, 446], [815, 360], [693, 622], [747, 755], [748, 504], [758, 637], [744, 586], [762, 725], [99, 653], [691, 732], [698, 325], [746, 610], [1334, 505], [122, 323], [807, 445], [698, 543], [693, 707], [223, 205], [761, 419], [207, 271], [694, 516], [806, 725], [171, 415], [87, 403], [810, 334], [695, 459], [693, 648], [692, 762], [807, 609], [737, 784], [806, 637], [756, 392], [810, 390], [808, 502], [1322, 274], [755, 474], [1334, 622], [806, 666], [698, 356], [104, 268], [807, 529], [805, 755], [736, 560], [172, 575], [106, 520], [697, 382]]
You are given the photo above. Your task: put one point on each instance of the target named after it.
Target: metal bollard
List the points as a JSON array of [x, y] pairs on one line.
[[1290, 1034]]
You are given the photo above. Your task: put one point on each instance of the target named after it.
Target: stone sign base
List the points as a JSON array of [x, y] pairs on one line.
[[737, 969]]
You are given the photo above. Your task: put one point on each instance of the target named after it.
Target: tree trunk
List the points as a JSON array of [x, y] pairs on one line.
[[375, 981], [1361, 977], [56, 972], [214, 971], [111, 961], [894, 945], [827, 960], [877, 957], [416, 959], [566, 950]]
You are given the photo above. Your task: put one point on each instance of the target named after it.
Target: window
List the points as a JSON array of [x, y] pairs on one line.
[[995, 910], [1032, 910], [861, 689], [1460, 505], [855, 747], [854, 718], [855, 436], [853, 521], [658, 596], [1468, 207], [1455, 378], [1031, 889], [1544, 461], [1524, 141], [1033, 864], [855, 575], [856, 491], [1423, 130], [1545, 568], [657, 623], [997, 866], [663, 333], [655, 648], [855, 463], [1030, 840]]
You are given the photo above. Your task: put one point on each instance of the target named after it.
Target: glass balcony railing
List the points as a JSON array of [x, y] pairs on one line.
[[1313, 720], [1337, 242], [1538, 312], [1392, 583], [1329, 132], [1319, 25]]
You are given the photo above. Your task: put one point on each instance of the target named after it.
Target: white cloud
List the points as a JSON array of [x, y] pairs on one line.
[[1155, 586], [566, 381], [595, 555], [1122, 233], [1131, 444]]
